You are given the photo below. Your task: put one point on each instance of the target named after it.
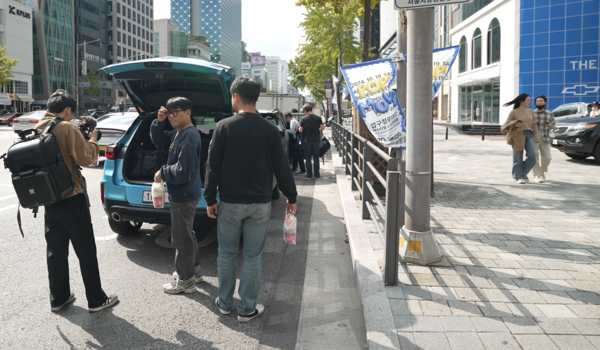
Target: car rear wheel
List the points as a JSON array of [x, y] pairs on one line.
[[575, 156], [275, 193], [10, 124], [125, 228]]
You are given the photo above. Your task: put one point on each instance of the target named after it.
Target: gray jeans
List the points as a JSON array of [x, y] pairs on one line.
[[187, 256]]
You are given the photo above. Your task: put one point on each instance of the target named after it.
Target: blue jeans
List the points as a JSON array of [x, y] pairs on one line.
[[253, 221], [311, 152], [521, 168]]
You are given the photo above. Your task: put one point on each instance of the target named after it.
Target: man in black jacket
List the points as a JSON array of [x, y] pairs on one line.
[[244, 154], [182, 176]]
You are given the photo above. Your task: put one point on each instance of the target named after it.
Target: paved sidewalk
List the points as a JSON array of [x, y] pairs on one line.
[[331, 317], [521, 266]]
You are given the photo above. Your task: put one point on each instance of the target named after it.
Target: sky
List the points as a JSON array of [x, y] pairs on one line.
[[270, 27]]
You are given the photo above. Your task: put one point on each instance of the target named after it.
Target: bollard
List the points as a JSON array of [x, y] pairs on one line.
[[446, 133], [482, 134]]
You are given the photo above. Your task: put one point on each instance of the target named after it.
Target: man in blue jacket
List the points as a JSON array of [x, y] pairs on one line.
[[182, 175]]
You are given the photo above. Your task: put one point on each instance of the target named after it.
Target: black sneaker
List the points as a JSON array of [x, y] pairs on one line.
[[307, 177], [222, 311], [111, 300], [260, 309], [56, 308]]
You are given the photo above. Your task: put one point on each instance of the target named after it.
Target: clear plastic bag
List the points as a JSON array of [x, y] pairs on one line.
[[158, 194], [289, 229]]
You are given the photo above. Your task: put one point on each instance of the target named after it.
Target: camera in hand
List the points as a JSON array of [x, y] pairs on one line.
[[88, 125]]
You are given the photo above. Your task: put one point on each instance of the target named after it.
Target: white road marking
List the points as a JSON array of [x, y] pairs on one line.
[[8, 208], [5, 185], [8, 197], [107, 238]]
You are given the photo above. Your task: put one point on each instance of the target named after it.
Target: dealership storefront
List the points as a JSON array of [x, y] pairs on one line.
[[479, 102]]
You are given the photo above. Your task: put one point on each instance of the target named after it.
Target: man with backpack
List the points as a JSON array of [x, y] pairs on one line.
[[70, 219]]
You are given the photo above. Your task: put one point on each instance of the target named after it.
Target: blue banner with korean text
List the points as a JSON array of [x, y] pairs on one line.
[[369, 85], [443, 59]]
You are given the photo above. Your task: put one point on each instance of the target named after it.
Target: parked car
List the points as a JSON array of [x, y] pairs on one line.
[[571, 111], [7, 119], [29, 120], [276, 118], [132, 109], [94, 113], [4, 112], [113, 126], [125, 190], [578, 138]]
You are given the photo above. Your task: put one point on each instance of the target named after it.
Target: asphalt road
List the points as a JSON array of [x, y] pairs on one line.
[[135, 268]]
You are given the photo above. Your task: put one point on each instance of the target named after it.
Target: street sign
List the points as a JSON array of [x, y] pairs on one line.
[[414, 4], [328, 85], [84, 84], [328, 93]]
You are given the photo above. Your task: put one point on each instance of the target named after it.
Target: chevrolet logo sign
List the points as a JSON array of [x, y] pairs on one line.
[[581, 90]]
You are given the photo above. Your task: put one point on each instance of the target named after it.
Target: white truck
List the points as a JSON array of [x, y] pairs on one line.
[[283, 102]]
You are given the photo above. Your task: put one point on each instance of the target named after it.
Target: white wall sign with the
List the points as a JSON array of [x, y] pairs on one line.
[[413, 4]]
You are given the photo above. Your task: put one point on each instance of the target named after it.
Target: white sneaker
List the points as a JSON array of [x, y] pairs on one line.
[[526, 179], [260, 309], [521, 181], [178, 286], [197, 277], [538, 179]]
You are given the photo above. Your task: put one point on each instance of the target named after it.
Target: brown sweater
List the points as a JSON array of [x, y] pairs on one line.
[[515, 136], [72, 146]]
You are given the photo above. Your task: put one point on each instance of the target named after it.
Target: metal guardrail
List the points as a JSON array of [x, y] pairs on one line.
[[347, 144]]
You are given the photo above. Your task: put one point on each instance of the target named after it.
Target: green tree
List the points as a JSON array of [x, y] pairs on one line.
[[95, 90], [329, 26], [6, 66], [199, 39]]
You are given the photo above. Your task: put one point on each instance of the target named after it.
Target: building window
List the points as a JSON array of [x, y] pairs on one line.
[[119, 37], [118, 22], [129, 40], [468, 10], [129, 27], [134, 29], [118, 8], [493, 42], [134, 42], [476, 50], [21, 87], [118, 50], [446, 30], [129, 13], [462, 55]]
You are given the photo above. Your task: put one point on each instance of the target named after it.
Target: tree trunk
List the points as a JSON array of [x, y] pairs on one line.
[[367, 32]]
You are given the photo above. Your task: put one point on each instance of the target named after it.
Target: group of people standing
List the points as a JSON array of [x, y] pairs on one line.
[[530, 132], [305, 141]]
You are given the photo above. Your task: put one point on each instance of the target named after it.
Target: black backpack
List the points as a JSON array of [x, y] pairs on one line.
[[39, 173]]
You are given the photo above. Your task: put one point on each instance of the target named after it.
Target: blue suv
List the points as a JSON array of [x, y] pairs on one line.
[[132, 161]]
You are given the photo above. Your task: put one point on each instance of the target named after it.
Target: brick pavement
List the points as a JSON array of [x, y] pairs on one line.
[[521, 267]]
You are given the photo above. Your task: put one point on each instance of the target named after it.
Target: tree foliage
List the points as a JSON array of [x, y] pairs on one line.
[[199, 39], [328, 26], [6, 66], [95, 89]]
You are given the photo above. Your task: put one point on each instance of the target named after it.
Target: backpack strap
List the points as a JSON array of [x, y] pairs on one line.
[[52, 123]]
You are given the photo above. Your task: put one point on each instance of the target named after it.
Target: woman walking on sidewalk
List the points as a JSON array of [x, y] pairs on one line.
[[521, 132]]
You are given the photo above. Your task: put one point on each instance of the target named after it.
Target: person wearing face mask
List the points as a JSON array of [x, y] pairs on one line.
[[545, 123], [595, 111]]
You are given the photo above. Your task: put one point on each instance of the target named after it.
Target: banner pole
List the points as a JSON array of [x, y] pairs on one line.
[[419, 246]]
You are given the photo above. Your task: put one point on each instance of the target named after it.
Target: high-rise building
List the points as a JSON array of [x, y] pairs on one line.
[[220, 21], [16, 36], [132, 33], [169, 41], [278, 73], [91, 25], [53, 49]]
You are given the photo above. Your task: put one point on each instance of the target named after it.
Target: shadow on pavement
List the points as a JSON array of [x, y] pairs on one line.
[[113, 332]]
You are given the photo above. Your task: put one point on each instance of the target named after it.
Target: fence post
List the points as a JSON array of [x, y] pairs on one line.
[[366, 194], [482, 134], [354, 161], [392, 230], [346, 149], [446, 133], [340, 147]]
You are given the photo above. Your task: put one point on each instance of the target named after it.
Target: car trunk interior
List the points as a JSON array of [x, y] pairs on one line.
[[141, 173]]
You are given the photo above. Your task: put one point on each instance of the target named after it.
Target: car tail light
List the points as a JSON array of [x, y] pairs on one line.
[[15, 121], [33, 121], [112, 134], [102, 192], [110, 151]]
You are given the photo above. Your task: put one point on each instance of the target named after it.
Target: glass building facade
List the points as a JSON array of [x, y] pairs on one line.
[[53, 47], [560, 50], [179, 42], [220, 21]]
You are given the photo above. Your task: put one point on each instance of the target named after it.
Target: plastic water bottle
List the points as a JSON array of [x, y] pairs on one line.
[[158, 194]]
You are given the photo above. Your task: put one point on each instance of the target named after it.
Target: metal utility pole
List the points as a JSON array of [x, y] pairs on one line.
[[418, 245], [77, 69]]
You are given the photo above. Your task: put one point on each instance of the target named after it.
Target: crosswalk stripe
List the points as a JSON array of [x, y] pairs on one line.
[[8, 197], [8, 208]]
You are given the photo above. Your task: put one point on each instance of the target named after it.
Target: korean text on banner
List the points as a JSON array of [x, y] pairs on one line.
[[370, 87], [443, 59]]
